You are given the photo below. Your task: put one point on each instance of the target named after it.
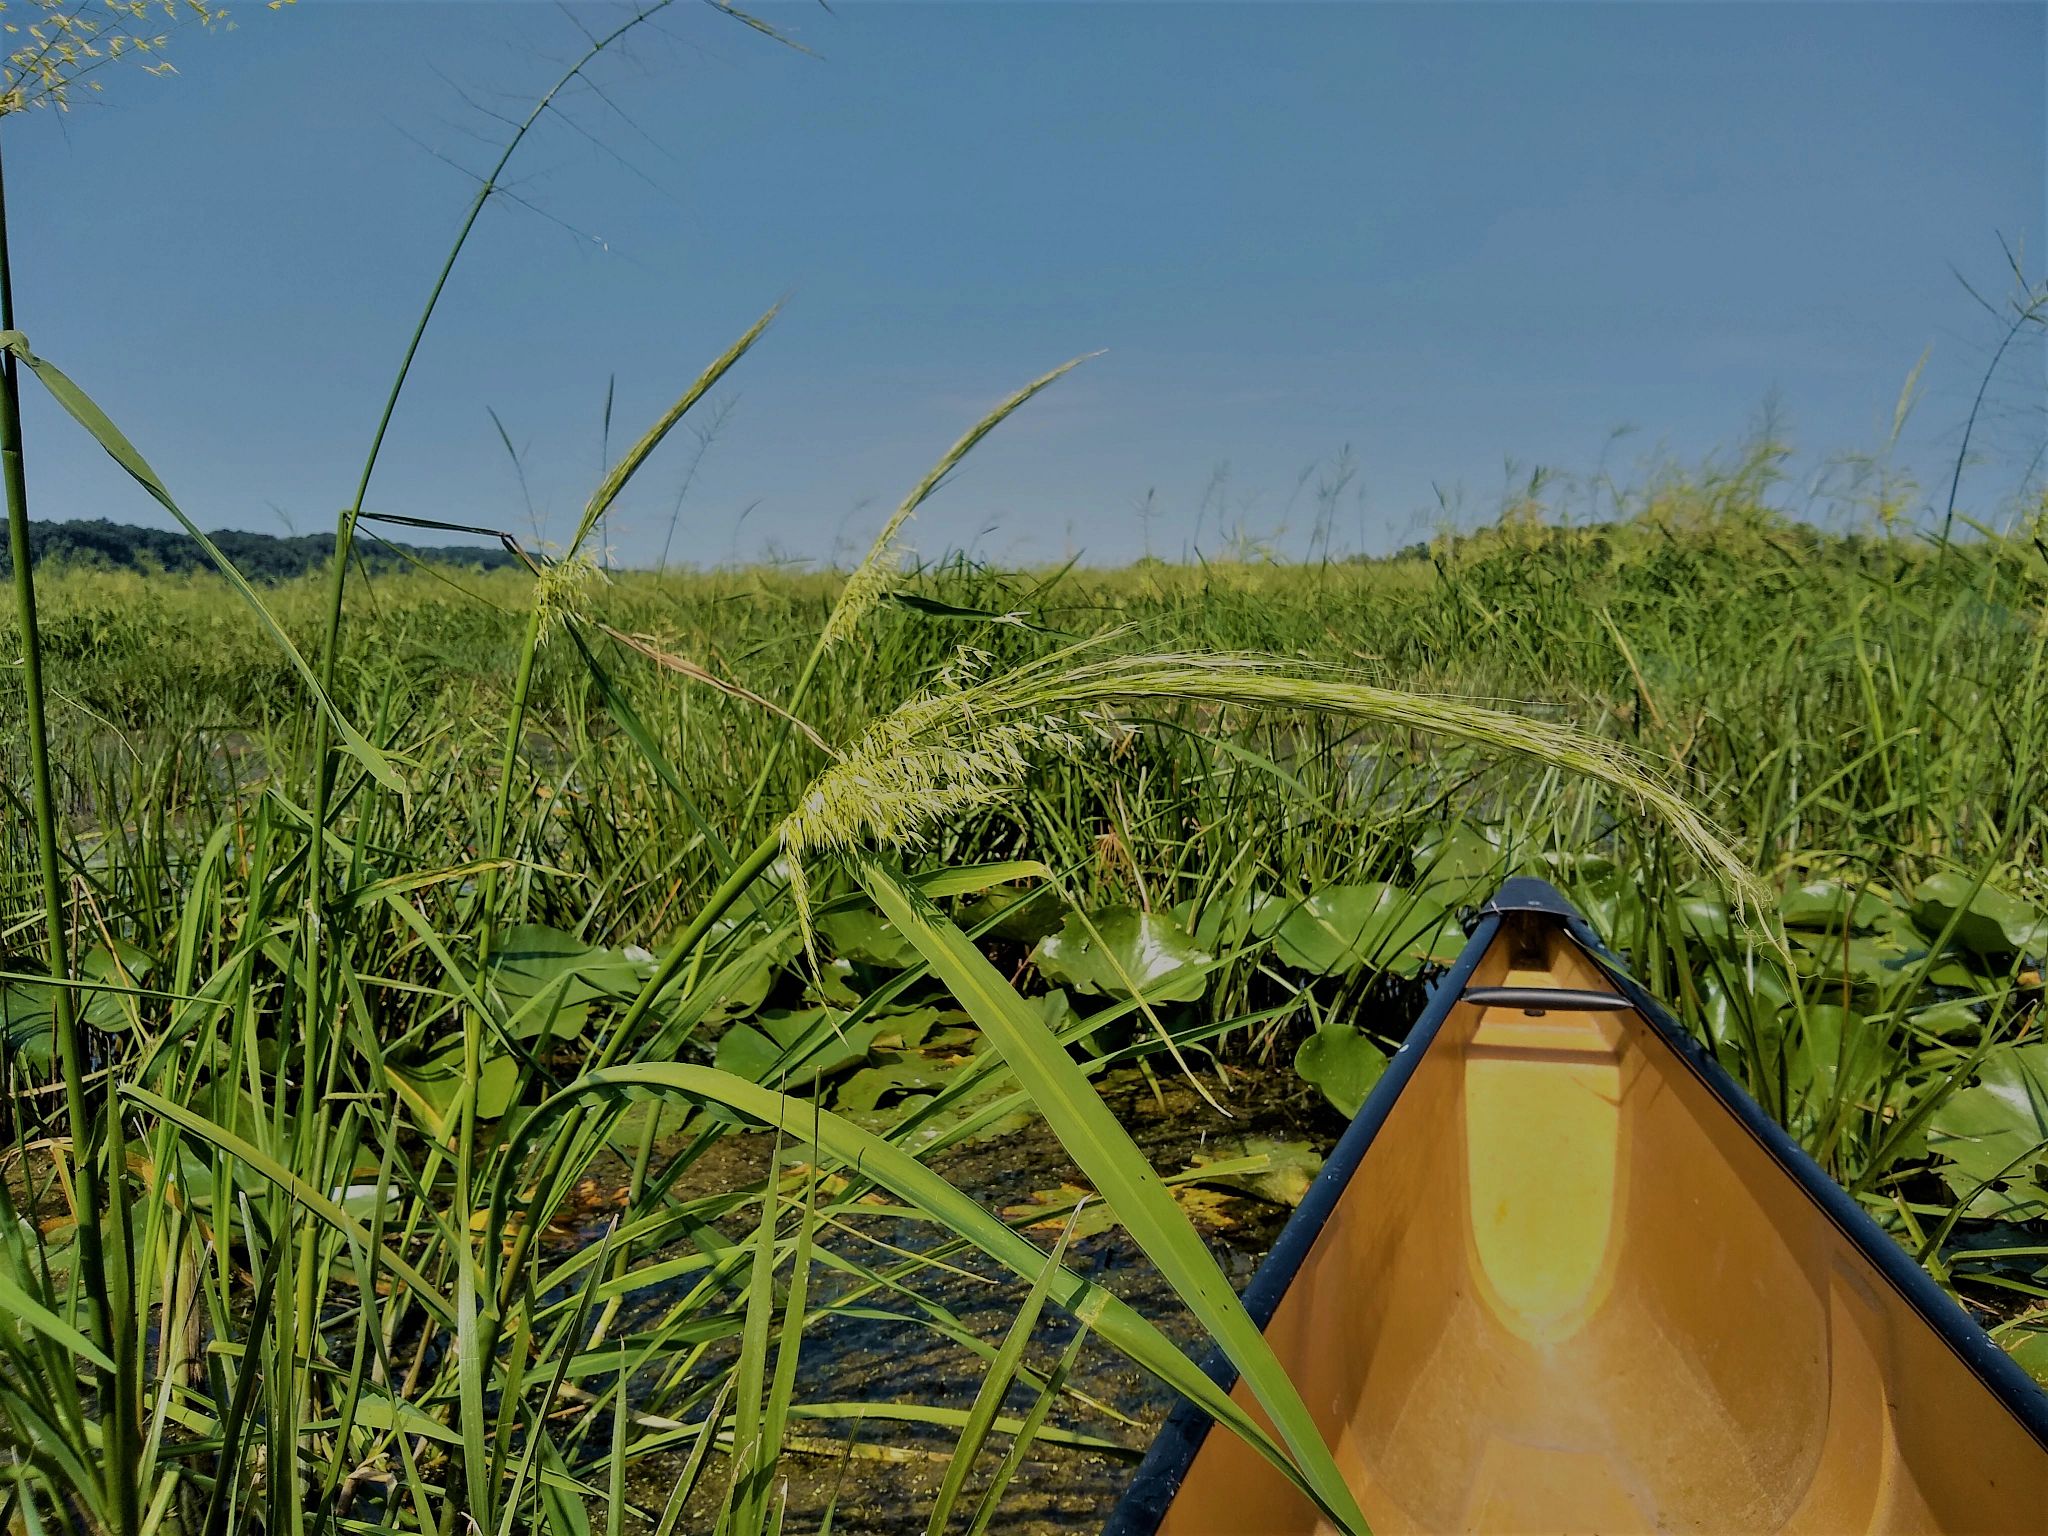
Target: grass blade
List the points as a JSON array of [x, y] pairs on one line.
[[1114, 1320], [995, 1385], [1112, 1162]]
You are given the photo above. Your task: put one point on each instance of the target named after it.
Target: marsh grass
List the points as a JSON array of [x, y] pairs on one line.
[[1157, 765]]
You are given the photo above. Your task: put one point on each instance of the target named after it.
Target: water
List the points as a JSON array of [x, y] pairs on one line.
[[885, 1487]]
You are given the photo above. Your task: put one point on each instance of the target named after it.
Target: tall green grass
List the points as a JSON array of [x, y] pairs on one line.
[[362, 1311]]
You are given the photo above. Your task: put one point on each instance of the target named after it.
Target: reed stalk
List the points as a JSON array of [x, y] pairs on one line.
[[108, 1319]]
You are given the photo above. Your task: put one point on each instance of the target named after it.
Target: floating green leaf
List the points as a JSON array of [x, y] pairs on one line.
[[864, 1091], [1342, 1063], [1829, 903], [2030, 1348], [1345, 928], [1992, 922], [28, 1021], [119, 964], [1706, 917], [1276, 1171], [791, 1048], [1951, 1019], [863, 935], [1876, 960], [739, 981], [551, 977], [1120, 951], [1226, 918], [1008, 912], [428, 1082], [1993, 1136], [1839, 1055], [1459, 863], [1745, 1019]]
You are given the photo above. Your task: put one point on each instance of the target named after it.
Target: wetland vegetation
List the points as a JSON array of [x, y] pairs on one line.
[[554, 1048], [524, 1063]]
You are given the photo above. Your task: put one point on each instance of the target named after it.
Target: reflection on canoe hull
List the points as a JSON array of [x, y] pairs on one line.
[[1563, 1276]]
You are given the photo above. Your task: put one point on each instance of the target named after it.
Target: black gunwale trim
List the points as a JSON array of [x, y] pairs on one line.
[[1159, 1475], [1172, 1453]]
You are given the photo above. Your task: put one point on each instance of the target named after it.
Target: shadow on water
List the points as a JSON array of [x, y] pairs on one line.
[[883, 1484]]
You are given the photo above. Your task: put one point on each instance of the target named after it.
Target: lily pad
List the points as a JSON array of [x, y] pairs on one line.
[[743, 975], [864, 1091], [1993, 1136], [1128, 952], [1275, 1171], [863, 935], [1459, 863], [1876, 960], [428, 1084], [1839, 1055], [1961, 1020], [1741, 1017], [1707, 917], [121, 965], [2030, 1349], [1992, 922], [789, 1049], [1345, 928], [28, 1009], [1342, 1063], [1955, 974], [1013, 913], [907, 1029], [833, 985], [1226, 917], [28, 1021], [1050, 1210], [1829, 903], [551, 977]]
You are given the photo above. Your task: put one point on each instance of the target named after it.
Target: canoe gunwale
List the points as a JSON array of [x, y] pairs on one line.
[[1172, 1453]]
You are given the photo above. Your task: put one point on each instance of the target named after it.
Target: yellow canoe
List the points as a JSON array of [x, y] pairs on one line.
[[1563, 1275]]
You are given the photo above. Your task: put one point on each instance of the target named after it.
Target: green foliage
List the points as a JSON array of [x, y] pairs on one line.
[[1122, 952], [1341, 1062], [1984, 919], [1262, 886], [1993, 1136], [99, 545], [1342, 929]]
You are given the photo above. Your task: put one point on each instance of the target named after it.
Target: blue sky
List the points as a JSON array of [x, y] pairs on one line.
[[1444, 237]]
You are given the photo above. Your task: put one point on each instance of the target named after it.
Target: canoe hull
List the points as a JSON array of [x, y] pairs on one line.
[[1562, 1275]]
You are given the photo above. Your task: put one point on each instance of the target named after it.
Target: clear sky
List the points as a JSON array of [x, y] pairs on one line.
[[1444, 237]]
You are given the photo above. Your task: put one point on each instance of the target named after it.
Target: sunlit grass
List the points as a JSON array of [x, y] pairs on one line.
[[1801, 690]]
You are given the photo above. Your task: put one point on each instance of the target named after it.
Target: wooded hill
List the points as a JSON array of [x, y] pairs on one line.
[[260, 556]]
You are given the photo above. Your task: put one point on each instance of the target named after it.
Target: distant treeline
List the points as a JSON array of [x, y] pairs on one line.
[[260, 556]]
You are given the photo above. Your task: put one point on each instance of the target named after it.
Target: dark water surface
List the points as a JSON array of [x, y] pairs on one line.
[[885, 1488]]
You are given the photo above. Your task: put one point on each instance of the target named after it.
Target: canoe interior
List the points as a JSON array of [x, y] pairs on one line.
[[1567, 1290]]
